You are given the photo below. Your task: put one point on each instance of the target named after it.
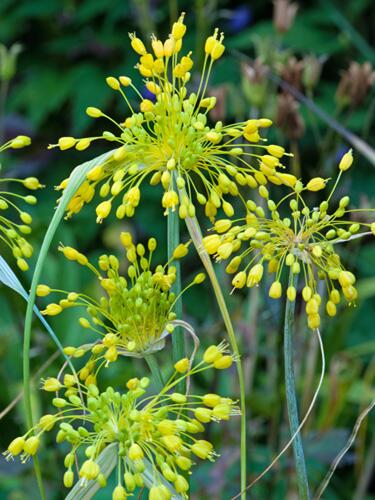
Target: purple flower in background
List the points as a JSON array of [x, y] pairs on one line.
[[239, 18]]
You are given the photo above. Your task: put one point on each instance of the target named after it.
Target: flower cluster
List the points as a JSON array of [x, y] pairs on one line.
[[304, 242], [12, 233], [137, 311], [171, 142], [159, 430]]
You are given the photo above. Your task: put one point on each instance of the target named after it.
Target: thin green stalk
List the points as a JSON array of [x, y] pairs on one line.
[[155, 370], [39, 479], [178, 340], [303, 486], [196, 236]]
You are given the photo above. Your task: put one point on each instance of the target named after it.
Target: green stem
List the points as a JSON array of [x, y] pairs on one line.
[[196, 235], [178, 340], [155, 370], [39, 479], [303, 486]]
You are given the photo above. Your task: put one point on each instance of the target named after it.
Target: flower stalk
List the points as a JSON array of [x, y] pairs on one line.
[[173, 240], [196, 236], [302, 482]]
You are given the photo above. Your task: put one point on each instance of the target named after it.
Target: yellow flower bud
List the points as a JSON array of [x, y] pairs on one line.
[[239, 280], [211, 243], [223, 362], [221, 411], [181, 485], [180, 251], [153, 88], [84, 322], [31, 445], [43, 290], [170, 199], [313, 321], [211, 400], [346, 161], [137, 45], [182, 365], [135, 452], [94, 112], [125, 81], [316, 184], [68, 478], [52, 310], [331, 308], [46, 422], [103, 210], [169, 45], [224, 251], [32, 183], [199, 278], [83, 144], [306, 293], [203, 415], [178, 398], [52, 384], [287, 179], [275, 290], [255, 275], [66, 142], [113, 82], [158, 48], [119, 493], [16, 446], [346, 278], [20, 142], [111, 355], [89, 470], [291, 293], [275, 150], [312, 306], [202, 449], [178, 28], [211, 354], [350, 293], [146, 105]]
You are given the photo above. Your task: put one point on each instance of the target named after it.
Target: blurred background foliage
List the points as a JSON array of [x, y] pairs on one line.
[[54, 57]]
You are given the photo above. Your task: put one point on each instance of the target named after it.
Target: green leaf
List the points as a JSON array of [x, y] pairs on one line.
[[9, 279]]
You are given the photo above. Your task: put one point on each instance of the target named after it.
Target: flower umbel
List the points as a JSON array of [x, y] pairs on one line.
[[304, 242], [159, 430], [170, 141], [136, 312], [12, 234]]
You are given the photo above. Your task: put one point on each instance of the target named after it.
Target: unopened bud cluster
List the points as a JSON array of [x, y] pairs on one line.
[[162, 431]]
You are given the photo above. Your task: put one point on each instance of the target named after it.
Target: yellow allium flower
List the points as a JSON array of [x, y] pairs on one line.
[[135, 312], [12, 234], [288, 234], [159, 431], [171, 142]]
